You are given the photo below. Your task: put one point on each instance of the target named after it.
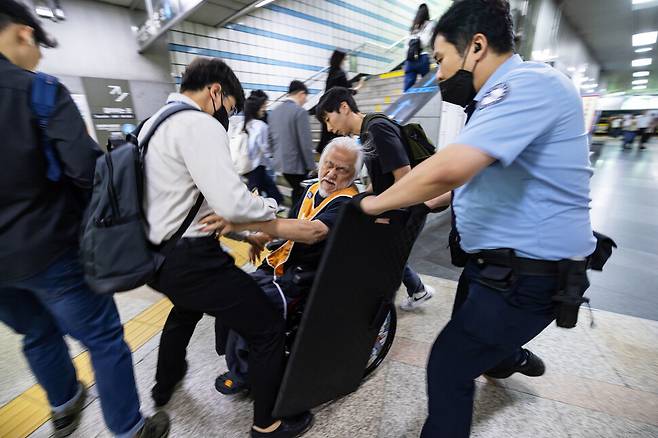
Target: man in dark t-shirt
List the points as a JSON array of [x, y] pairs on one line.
[[386, 158], [305, 233]]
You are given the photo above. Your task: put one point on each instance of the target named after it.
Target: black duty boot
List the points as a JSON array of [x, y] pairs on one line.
[[531, 366], [161, 393]]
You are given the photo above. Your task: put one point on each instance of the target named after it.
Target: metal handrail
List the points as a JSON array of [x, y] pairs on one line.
[[354, 50]]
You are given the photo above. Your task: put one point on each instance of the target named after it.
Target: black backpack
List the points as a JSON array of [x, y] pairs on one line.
[[419, 147], [115, 250], [414, 50]]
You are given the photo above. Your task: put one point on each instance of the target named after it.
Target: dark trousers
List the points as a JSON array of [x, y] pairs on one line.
[[176, 335], [487, 329], [645, 135], [295, 182], [56, 302], [260, 180], [199, 276], [237, 349]]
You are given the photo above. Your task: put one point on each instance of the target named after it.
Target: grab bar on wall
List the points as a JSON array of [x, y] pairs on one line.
[[349, 52]]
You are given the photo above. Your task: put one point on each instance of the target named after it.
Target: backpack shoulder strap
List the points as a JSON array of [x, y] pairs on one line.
[[143, 146], [44, 93], [42, 100], [170, 111], [169, 245], [369, 118]]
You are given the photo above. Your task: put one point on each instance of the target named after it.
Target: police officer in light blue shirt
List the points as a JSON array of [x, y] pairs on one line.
[[528, 116], [520, 175]]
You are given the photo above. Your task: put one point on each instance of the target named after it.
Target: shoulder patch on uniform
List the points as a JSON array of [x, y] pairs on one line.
[[309, 195], [497, 94]]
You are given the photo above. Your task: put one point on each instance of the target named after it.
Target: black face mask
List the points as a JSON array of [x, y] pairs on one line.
[[221, 115], [459, 88]]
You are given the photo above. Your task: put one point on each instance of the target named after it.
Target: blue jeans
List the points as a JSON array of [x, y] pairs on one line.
[[414, 68], [56, 302], [411, 281], [487, 329], [259, 179]]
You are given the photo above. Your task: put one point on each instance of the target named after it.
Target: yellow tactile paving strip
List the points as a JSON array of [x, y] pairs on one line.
[[27, 412], [30, 410]]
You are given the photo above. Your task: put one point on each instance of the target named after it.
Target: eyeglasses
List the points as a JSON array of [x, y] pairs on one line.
[[233, 111]]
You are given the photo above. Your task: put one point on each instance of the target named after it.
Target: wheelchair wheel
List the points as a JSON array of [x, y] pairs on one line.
[[383, 342]]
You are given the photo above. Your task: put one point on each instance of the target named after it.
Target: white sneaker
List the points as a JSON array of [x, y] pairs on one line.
[[419, 298]]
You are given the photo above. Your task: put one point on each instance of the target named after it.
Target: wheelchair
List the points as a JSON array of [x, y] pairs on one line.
[[342, 329], [382, 344]]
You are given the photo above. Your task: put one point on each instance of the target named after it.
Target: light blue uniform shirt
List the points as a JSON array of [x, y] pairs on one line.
[[535, 197]]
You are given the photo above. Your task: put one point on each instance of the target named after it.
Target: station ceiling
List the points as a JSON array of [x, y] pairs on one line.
[[607, 27]]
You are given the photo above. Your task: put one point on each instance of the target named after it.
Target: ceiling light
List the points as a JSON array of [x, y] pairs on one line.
[[639, 2], [643, 49], [641, 62], [641, 74], [263, 3], [640, 87], [640, 82], [645, 38]]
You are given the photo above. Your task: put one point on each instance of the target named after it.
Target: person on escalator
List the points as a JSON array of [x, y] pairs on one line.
[[290, 129], [418, 59], [336, 77], [259, 149], [387, 161], [305, 232]]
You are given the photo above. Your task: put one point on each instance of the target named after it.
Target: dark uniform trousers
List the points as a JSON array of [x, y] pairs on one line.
[[487, 329], [199, 277]]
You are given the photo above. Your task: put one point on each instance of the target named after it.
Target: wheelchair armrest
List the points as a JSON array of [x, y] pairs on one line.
[[274, 244], [303, 278]]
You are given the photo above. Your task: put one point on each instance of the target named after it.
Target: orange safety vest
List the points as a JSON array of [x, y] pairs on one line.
[[276, 259]]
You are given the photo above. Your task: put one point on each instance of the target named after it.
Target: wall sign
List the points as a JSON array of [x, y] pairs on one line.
[[111, 105]]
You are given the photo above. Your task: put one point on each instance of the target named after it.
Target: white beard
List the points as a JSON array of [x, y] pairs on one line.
[[322, 192]]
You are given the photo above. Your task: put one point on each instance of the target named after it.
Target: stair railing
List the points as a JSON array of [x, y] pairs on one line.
[[315, 76]]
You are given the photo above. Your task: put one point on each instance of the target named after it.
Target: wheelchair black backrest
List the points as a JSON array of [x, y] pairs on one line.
[[360, 271]]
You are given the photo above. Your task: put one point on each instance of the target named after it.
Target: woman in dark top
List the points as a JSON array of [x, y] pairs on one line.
[[336, 77]]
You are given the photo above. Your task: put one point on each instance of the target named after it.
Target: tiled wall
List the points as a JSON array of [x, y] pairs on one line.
[[293, 39]]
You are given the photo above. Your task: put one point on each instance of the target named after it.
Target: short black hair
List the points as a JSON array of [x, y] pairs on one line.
[[331, 100], [203, 72], [5, 21], [465, 18], [297, 86]]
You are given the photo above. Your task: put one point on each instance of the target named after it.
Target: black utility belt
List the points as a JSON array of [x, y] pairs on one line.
[[520, 265]]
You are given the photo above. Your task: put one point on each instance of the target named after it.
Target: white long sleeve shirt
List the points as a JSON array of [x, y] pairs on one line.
[[260, 151], [425, 34], [190, 152]]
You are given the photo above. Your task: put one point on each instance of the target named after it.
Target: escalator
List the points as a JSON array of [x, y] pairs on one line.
[[420, 104]]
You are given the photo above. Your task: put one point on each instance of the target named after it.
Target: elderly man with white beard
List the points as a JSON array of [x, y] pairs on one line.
[[305, 234]]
